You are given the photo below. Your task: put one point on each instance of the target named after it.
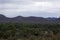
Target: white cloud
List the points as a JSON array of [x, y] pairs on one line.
[[35, 6], [18, 7]]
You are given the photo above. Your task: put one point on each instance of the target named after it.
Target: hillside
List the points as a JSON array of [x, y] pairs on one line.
[[31, 19], [29, 28]]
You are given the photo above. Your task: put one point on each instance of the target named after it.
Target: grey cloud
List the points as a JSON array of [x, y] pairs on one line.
[[10, 1], [43, 8], [26, 2], [22, 1], [46, 0]]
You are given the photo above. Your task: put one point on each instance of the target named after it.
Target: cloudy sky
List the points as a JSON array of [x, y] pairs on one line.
[[40, 8]]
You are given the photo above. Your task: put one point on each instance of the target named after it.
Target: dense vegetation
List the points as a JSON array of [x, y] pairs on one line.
[[25, 31]]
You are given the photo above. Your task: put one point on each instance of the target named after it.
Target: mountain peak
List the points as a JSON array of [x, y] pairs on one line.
[[2, 16], [31, 19]]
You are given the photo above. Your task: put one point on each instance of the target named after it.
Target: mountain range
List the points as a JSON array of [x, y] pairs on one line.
[[31, 19]]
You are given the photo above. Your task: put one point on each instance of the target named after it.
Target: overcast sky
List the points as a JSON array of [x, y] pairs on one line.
[[40, 8]]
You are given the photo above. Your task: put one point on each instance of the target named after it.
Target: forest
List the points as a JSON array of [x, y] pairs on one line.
[[29, 31]]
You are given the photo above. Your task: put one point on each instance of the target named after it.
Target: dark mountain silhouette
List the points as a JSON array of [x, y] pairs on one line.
[[31, 19]]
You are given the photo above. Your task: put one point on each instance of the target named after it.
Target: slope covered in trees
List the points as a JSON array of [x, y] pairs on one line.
[[25, 31]]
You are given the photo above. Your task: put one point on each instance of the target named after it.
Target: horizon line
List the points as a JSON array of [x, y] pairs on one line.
[[27, 16]]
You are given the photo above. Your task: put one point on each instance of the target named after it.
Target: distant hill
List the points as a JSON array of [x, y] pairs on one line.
[[31, 19]]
